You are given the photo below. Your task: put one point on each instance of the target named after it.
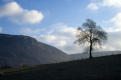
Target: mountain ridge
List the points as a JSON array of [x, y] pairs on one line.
[[18, 50]]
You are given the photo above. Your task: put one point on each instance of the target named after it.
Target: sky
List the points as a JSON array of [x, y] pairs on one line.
[[54, 22]]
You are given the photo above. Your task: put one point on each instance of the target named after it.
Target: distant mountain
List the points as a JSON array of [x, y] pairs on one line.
[[19, 50], [95, 54]]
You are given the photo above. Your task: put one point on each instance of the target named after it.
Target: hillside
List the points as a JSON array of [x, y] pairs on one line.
[[101, 68], [19, 50]]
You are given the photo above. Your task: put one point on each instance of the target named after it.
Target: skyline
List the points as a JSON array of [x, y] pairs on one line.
[[55, 22]]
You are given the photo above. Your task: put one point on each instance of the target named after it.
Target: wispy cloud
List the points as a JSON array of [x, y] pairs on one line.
[[117, 21], [62, 36], [113, 42], [96, 4], [113, 3], [59, 35], [92, 6], [114, 22], [20, 15], [29, 31]]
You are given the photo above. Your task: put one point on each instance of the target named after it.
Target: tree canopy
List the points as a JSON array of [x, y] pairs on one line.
[[91, 35]]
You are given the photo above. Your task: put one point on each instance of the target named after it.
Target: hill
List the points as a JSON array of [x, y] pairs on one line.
[[85, 55], [19, 50], [101, 68]]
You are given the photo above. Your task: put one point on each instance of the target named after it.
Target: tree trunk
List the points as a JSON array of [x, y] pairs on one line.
[[90, 51]]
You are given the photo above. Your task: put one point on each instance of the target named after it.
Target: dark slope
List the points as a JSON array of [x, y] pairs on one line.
[[102, 68], [19, 50]]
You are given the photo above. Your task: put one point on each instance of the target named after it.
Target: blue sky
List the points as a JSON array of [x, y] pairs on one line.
[[55, 21]]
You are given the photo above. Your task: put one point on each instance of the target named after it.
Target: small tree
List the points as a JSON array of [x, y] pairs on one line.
[[91, 35]]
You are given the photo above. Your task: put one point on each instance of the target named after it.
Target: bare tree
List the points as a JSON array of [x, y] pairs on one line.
[[91, 35]]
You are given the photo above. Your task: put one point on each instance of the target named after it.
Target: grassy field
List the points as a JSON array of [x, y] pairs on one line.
[[101, 68]]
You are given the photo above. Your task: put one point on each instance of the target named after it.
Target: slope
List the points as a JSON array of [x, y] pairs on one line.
[[101, 68]]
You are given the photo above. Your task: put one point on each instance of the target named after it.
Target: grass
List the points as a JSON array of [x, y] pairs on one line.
[[16, 69], [21, 69], [101, 68]]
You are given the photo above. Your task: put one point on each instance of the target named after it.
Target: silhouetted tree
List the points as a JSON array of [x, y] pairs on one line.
[[91, 35]]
